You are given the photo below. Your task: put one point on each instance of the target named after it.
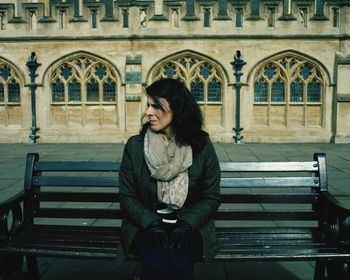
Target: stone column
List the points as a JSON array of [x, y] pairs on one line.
[[109, 13], [287, 11], [190, 8], [78, 8], [222, 13], [319, 11], [158, 7], [342, 99], [133, 94]]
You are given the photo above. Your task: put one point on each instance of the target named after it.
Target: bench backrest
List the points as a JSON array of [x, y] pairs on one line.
[[86, 193], [283, 193]]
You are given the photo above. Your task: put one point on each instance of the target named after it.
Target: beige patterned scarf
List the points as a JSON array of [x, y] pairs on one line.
[[168, 164]]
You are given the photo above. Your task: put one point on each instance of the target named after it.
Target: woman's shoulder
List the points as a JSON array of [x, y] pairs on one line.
[[136, 138], [206, 145], [134, 141]]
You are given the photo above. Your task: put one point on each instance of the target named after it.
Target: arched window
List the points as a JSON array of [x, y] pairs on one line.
[[291, 89], [74, 91], [83, 79], [57, 91], [10, 89], [84, 91], [2, 93], [11, 82], [202, 77]]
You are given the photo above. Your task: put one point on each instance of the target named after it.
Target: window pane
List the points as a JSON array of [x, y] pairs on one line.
[[2, 94], [305, 71], [296, 91], [109, 91], [260, 91], [125, 18], [57, 91], [14, 92], [5, 72], [239, 17], [74, 92], [170, 70], [277, 93], [92, 90], [66, 72], [206, 17], [314, 91], [197, 90], [270, 71], [214, 90], [205, 71], [100, 71]]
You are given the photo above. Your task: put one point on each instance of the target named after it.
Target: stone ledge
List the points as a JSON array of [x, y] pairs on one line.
[[133, 98], [343, 97]]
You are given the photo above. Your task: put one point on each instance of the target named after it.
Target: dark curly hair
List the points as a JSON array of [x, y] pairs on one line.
[[187, 117]]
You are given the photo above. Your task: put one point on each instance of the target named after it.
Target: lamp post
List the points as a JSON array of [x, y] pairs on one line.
[[237, 65], [33, 65]]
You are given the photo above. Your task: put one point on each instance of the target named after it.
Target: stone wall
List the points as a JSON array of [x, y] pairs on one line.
[[297, 55]]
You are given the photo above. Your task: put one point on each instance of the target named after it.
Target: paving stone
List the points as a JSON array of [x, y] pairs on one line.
[[12, 165]]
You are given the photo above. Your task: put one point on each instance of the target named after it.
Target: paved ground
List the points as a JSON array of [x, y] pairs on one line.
[[12, 163]]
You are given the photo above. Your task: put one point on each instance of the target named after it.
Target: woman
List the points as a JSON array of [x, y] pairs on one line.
[[169, 186]]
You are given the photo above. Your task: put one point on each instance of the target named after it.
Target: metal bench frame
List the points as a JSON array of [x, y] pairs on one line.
[[271, 211]]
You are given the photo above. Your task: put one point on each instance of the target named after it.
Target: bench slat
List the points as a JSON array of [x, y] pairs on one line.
[[282, 255], [289, 198], [77, 166], [225, 198], [293, 215], [310, 166], [270, 182], [78, 213], [76, 181], [78, 196]]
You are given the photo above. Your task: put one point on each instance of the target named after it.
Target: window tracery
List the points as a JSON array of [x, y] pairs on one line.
[[285, 86], [83, 79], [10, 89], [202, 78]]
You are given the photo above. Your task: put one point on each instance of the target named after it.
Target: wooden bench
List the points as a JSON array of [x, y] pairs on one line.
[[271, 211]]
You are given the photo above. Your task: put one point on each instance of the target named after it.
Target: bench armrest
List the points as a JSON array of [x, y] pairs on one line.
[[11, 216], [335, 218]]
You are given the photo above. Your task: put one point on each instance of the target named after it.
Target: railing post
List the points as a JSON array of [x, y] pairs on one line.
[[33, 65], [237, 65]]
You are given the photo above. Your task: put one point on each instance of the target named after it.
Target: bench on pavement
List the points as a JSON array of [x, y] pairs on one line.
[[271, 211]]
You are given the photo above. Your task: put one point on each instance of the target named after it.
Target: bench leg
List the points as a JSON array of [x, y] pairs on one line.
[[320, 270], [32, 266], [337, 270], [10, 266]]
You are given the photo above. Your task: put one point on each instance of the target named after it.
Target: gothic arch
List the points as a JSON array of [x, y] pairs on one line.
[[289, 90], [187, 52], [11, 94], [205, 77], [293, 53], [11, 82], [73, 55], [83, 89], [15, 68]]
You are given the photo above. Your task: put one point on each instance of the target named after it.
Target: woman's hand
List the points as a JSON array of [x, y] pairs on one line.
[[158, 235], [181, 235]]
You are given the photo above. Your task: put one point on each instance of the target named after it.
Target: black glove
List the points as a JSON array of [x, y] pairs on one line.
[[181, 235], [158, 235]]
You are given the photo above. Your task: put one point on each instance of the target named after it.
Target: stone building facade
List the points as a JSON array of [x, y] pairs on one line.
[[97, 56]]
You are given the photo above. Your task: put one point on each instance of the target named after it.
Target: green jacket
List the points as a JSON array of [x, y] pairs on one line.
[[138, 194]]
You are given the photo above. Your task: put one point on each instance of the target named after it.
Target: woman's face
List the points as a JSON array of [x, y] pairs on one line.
[[159, 118]]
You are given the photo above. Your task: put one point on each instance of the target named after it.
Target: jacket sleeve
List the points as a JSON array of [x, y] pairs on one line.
[[200, 212], [134, 211]]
